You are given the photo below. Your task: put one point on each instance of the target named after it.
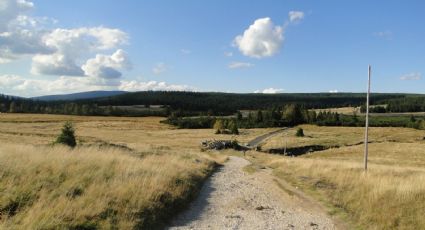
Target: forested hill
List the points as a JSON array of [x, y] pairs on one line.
[[202, 101], [78, 96]]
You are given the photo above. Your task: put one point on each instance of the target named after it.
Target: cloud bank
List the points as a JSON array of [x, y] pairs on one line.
[[269, 91]]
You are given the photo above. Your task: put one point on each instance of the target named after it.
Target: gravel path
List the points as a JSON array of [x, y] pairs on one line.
[[234, 199], [253, 143]]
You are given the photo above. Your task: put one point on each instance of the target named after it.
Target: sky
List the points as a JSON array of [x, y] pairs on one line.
[[281, 46]]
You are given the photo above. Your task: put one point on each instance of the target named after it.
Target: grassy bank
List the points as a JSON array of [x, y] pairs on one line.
[[89, 188]]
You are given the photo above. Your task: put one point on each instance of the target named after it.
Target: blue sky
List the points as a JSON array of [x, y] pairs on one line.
[[49, 47]]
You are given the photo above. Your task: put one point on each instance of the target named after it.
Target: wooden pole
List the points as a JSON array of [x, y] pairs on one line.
[[366, 136]]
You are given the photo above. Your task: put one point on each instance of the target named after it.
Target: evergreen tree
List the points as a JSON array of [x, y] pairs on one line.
[[300, 132], [233, 127], [67, 136]]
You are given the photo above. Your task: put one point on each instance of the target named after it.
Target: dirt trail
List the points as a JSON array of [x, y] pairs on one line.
[[234, 199], [253, 143]]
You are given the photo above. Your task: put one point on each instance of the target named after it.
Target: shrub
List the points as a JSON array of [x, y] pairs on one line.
[[300, 132], [67, 136], [219, 127]]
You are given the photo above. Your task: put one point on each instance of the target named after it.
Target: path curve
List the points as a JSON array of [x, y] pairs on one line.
[[234, 199], [256, 141]]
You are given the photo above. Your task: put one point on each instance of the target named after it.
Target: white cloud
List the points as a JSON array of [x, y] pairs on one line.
[[237, 65], [152, 85], [54, 51], [55, 64], [108, 67], [269, 91], [159, 68], [261, 39], [333, 91], [12, 84], [411, 77], [228, 54], [295, 16], [11, 9], [71, 44]]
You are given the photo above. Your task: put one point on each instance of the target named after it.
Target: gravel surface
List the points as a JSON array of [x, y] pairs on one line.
[[234, 199]]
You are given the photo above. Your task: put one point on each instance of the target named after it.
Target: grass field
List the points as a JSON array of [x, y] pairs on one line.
[[137, 172], [391, 195], [126, 172]]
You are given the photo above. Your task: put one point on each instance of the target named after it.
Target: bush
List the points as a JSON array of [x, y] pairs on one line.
[[219, 127], [67, 136], [300, 132]]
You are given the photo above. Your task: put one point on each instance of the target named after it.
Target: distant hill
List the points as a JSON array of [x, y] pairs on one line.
[[229, 102], [79, 96]]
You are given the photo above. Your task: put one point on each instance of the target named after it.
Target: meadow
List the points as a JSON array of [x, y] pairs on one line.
[[138, 173], [390, 195], [125, 172]]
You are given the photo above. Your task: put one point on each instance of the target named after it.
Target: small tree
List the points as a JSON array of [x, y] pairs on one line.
[[219, 126], [239, 116], [67, 136], [300, 132], [233, 127]]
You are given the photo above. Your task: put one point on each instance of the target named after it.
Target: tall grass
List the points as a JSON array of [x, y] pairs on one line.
[[386, 197], [87, 188]]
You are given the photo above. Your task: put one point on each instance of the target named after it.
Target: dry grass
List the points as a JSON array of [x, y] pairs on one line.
[[342, 136], [384, 198], [141, 134], [127, 172], [390, 196], [55, 187]]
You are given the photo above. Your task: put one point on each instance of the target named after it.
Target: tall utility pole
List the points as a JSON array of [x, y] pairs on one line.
[[366, 136]]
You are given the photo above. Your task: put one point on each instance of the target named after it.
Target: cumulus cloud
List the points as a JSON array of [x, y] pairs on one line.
[[411, 77], [296, 16], [54, 51], [108, 67], [159, 68], [237, 65], [71, 44], [261, 39], [333, 91], [11, 9], [19, 33], [269, 91], [11, 84]]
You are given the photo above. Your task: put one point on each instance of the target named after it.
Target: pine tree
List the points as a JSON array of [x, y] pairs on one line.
[[67, 136]]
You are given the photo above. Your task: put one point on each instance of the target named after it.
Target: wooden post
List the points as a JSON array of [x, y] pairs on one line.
[[366, 136]]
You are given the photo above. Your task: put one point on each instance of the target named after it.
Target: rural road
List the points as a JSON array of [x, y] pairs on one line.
[[234, 199], [253, 143]]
